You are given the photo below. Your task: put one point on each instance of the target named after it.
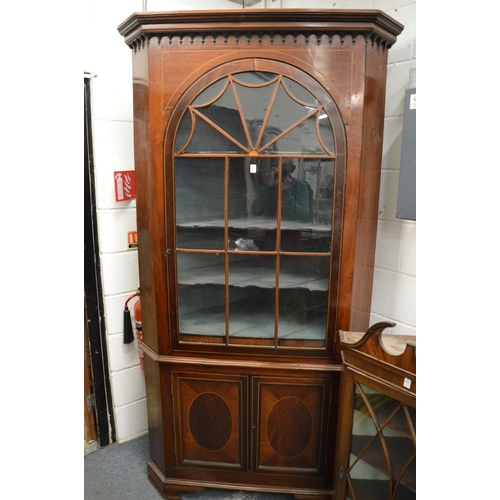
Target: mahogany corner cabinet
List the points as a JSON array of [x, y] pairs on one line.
[[258, 144]]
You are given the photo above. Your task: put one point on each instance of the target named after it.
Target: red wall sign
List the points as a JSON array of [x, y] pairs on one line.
[[125, 185], [132, 239]]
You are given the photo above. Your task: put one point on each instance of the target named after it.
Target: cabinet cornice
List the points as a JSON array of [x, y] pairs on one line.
[[373, 25]]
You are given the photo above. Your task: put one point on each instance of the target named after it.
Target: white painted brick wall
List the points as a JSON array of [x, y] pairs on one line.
[[109, 59], [132, 420], [394, 285]]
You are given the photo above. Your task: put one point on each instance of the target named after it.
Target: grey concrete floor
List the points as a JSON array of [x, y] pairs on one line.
[[118, 472]]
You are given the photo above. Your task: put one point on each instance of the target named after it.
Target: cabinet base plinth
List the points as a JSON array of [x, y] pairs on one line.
[[172, 489]]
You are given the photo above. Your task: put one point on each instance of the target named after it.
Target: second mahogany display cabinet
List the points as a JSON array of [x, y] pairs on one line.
[[258, 144]]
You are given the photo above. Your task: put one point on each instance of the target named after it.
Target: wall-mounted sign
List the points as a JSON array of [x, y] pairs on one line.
[[132, 239], [125, 185], [413, 101]]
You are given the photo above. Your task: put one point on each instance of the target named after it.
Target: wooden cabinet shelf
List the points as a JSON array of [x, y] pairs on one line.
[[241, 275], [257, 183], [260, 223]]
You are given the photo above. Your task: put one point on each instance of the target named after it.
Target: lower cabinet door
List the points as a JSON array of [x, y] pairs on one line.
[[253, 424], [290, 420], [210, 417]]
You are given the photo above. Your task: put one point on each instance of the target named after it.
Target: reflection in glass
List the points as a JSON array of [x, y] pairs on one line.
[[383, 456], [183, 131], [255, 77], [201, 281], [195, 268], [210, 93], [277, 143], [306, 196], [294, 192], [208, 139], [285, 112], [241, 190], [202, 310], [300, 93], [326, 132], [199, 189], [265, 201], [247, 229], [224, 114], [209, 238], [303, 297], [311, 273], [309, 138], [255, 111], [296, 197], [252, 281], [254, 103]]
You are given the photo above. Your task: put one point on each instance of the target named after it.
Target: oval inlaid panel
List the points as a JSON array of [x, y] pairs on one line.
[[289, 427], [210, 421]]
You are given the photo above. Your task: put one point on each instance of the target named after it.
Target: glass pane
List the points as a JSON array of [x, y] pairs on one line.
[[300, 93], [255, 102], [206, 139], [296, 195], [264, 201], [252, 218], [320, 175], [383, 446], [201, 293], [252, 284], [202, 310], [302, 139], [210, 93], [306, 224], [200, 269], [199, 202], [183, 131], [255, 77], [225, 114], [286, 112], [326, 132], [209, 238], [303, 297], [309, 138]]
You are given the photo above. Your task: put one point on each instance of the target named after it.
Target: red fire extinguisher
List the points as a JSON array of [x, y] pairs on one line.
[[128, 333]]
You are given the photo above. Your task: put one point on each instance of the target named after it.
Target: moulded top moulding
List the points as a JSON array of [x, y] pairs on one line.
[[370, 23]]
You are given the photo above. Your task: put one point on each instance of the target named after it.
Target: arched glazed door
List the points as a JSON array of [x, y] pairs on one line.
[[256, 171]]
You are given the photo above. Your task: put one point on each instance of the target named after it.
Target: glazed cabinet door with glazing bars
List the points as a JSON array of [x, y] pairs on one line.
[[376, 459], [383, 451], [257, 210]]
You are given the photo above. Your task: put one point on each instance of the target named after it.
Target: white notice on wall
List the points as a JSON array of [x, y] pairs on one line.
[[407, 383], [413, 101]]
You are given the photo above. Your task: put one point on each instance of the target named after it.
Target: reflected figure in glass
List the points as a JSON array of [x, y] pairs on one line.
[[294, 194]]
